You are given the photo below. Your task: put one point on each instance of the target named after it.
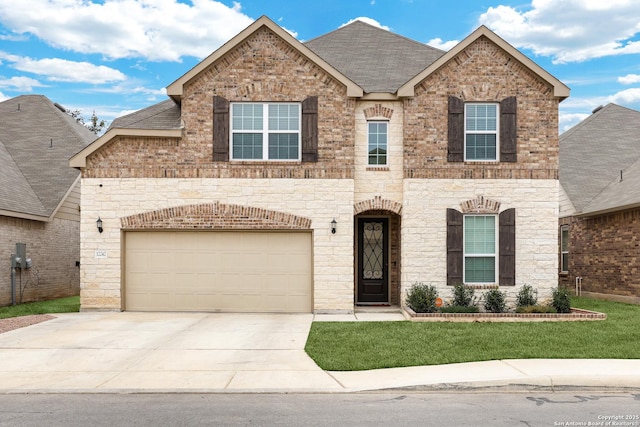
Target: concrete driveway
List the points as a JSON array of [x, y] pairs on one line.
[[162, 351]]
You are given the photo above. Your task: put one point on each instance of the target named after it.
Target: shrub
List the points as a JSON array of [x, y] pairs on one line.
[[463, 296], [561, 300], [536, 309], [421, 298], [526, 296], [495, 301], [459, 309]]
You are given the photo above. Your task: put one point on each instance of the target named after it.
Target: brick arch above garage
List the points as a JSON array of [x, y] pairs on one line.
[[215, 216]]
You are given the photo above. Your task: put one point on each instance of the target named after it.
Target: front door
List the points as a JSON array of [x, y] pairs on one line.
[[373, 260]]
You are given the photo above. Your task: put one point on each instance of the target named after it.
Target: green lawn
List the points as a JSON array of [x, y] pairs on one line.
[[352, 346], [62, 305]]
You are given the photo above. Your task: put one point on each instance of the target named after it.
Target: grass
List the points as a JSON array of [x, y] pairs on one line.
[[353, 346], [61, 305]]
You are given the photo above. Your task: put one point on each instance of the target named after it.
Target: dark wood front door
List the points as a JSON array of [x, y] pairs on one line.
[[373, 260]]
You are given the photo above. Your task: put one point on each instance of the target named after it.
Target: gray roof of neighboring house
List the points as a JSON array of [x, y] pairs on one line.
[[375, 59], [594, 153], [164, 115], [36, 141]]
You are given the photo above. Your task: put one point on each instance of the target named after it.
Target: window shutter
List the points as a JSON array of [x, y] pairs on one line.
[[310, 129], [507, 247], [455, 149], [454, 247], [220, 129], [508, 130]]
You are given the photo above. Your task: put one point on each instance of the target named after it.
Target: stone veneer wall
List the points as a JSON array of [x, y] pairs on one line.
[[605, 251], [53, 247], [318, 200], [424, 230]]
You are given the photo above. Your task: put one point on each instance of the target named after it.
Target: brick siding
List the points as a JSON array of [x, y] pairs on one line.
[[53, 247], [605, 252]]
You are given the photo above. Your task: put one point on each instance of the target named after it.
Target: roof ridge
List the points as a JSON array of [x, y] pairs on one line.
[[357, 21]]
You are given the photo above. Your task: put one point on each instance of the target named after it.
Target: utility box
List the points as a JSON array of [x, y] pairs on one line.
[[19, 259]]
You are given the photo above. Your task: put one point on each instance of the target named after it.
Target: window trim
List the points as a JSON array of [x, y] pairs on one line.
[[265, 132], [378, 165], [495, 132], [495, 255], [564, 268]]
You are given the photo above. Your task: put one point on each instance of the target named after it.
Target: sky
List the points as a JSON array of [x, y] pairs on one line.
[[113, 57]]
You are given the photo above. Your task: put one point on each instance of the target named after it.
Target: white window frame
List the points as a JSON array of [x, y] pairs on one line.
[[494, 254], [564, 268], [496, 132], [265, 131], [386, 123]]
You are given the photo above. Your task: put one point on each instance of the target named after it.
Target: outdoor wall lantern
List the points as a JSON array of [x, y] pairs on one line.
[[99, 224], [333, 226]]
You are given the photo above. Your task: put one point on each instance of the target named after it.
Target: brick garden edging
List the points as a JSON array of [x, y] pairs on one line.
[[577, 314]]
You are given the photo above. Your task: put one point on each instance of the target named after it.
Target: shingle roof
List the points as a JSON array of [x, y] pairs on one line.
[[164, 115], [375, 59], [36, 141], [592, 156]]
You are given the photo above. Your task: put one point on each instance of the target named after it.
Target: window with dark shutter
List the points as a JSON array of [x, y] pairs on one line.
[[220, 129], [454, 246], [310, 129], [455, 147], [507, 247], [508, 130]]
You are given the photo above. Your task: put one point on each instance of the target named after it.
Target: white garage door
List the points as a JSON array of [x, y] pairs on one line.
[[235, 271]]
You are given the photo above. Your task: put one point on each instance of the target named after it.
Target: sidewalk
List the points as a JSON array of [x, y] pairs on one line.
[[246, 353]]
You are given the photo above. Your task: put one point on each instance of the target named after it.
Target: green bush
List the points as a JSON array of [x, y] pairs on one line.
[[561, 300], [526, 296], [463, 296], [421, 298], [527, 309], [495, 301], [459, 309]]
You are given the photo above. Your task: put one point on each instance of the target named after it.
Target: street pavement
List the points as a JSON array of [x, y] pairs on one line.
[[104, 352]]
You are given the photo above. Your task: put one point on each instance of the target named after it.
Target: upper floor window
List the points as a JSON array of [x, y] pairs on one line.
[[481, 132], [564, 249], [377, 146], [265, 131], [480, 257]]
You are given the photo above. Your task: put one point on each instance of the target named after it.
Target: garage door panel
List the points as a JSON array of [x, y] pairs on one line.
[[218, 271]]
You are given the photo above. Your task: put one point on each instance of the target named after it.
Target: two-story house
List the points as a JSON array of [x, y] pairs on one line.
[[283, 176]]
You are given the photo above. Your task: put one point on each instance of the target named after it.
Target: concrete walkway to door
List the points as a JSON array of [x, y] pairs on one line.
[[204, 352]]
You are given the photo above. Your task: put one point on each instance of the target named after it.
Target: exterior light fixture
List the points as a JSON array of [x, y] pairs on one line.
[[99, 224], [333, 226]]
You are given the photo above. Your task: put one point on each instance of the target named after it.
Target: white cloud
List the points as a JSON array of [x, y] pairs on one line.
[[439, 44], [569, 30], [625, 97], [3, 97], [569, 120], [157, 30], [629, 79], [366, 20], [20, 84], [62, 70]]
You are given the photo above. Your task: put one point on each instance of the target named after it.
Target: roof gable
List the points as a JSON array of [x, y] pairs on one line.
[[594, 154], [175, 89], [560, 90], [376, 59], [37, 140]]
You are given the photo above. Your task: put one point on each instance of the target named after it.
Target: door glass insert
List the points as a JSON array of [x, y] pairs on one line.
[[372, 251]]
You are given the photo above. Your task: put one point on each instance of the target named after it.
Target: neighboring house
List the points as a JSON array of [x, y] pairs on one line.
[[600, 204], [39, 198], [313, 177]]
